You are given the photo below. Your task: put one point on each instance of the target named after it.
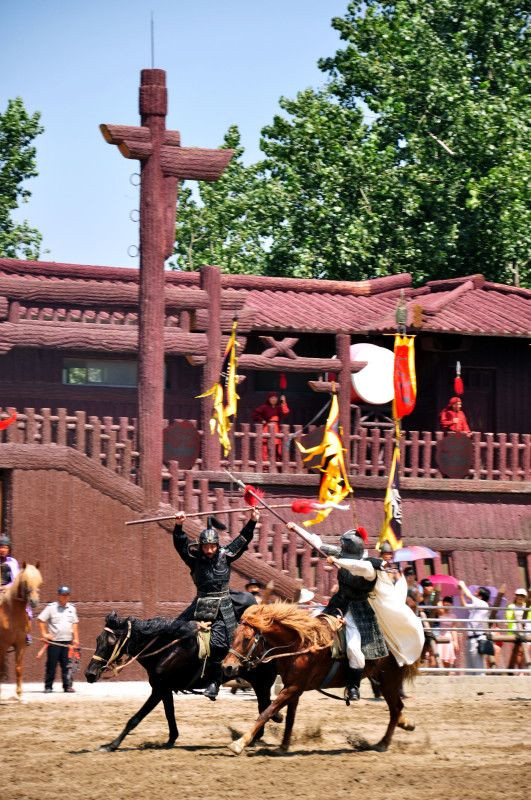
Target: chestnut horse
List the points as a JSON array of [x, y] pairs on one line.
[[300, 645], [14, 622]]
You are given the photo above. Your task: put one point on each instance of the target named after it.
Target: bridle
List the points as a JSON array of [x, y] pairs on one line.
[[118, 648], [250, 661]]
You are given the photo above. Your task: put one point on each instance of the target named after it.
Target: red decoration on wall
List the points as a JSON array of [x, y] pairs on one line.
[[282, 382], [251, 495], [5, 423]]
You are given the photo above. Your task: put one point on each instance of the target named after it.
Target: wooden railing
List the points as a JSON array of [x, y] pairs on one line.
[[113, 443]]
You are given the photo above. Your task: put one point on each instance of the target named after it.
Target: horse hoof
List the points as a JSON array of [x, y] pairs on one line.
[[236, 747], [109, 748], [407, 726], [168, 745], [277, 717], [379, 748]]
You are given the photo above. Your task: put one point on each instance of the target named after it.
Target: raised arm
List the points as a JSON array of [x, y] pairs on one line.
[[355, 566], [239, 545], [181, 542]]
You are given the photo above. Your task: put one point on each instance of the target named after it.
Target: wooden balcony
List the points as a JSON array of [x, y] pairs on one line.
[[113, 443]]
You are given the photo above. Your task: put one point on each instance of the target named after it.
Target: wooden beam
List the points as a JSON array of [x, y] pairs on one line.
[[250, 361]]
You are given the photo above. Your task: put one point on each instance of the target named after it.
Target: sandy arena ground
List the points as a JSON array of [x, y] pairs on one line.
[[472, 741]]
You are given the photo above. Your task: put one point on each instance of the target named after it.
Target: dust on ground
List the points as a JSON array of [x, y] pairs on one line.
[[472, 740]]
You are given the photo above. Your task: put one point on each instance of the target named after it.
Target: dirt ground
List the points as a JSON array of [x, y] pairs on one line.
[[472, 741]]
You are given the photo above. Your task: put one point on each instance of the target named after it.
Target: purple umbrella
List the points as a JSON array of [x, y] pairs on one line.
[[413, 553]]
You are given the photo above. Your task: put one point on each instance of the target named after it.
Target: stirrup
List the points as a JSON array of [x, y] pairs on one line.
[[212, 690]]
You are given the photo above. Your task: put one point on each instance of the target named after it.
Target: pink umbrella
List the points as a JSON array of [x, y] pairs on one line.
[[448, 583], [414, 553]]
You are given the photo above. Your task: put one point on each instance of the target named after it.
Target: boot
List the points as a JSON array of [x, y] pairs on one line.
[[212, 689], [352, 689]]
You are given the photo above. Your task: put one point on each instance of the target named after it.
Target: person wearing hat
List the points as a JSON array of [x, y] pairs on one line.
[[453, 418], [59, 626], [210, 568], [519, 626], [9, 566], [255, 587]]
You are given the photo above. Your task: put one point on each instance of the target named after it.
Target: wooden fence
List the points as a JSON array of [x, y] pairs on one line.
[[113, 443]]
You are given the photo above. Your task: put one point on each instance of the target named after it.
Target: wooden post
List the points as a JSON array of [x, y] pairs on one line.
[[210, 281], [345, 382]]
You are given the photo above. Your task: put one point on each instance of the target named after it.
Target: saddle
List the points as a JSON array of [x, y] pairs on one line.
[[338, 647]]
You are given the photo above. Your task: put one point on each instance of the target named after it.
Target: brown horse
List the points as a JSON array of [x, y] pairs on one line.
[[300, 645], [14, 622]]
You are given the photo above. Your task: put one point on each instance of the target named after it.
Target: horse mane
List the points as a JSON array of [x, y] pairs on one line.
[[311, 631], [31, 575], [156, 626]]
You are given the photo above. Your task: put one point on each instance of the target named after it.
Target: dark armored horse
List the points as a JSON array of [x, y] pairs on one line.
[[169, 651]]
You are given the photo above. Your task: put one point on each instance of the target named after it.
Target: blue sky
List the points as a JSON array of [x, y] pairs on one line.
[[78, 63]]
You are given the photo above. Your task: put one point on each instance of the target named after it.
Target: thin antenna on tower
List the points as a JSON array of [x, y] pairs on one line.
[[152, 41]]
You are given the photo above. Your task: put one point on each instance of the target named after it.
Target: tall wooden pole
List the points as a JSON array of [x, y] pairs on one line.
[[343, 354], [153, 108]]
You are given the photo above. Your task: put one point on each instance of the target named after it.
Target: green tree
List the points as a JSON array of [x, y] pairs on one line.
[[18, 129], [222, 223], [437, 183], [448, 85]]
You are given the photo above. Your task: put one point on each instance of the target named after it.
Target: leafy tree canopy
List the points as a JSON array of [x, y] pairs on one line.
[[437, 183], [18, 129]]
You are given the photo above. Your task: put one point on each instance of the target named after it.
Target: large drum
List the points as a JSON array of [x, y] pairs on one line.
[[372, 385]]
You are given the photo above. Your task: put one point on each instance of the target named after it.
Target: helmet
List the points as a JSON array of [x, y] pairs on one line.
[[5, 541], [210, 534], [352, 545], [63, 590], [386, 548]]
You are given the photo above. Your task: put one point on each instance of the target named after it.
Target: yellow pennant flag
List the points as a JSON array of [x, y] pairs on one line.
[[224, 392], [392, 525], [334, 486]]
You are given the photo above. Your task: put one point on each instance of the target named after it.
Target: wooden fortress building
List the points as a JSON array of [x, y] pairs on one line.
[[76, 465]]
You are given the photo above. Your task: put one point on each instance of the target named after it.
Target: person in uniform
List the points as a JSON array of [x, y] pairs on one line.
[[9, 566], [356, 579], [210, 568]]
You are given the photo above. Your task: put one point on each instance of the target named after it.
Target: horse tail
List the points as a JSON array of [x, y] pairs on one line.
[[410, 671]]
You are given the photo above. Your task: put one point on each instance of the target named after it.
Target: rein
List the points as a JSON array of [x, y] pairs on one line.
[[119, 647], [266, 656]]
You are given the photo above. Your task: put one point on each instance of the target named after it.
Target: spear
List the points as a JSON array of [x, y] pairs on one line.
[[202, 514], [311, 539]]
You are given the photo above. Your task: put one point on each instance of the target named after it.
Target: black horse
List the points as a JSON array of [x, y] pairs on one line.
[[175, 665]]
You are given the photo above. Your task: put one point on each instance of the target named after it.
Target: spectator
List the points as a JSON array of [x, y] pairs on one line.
[[413, 595], [261, 593], [448, 645], [452, 418], [477, 623], [58, 624], [427, 612], [270, 413], [519, 626]]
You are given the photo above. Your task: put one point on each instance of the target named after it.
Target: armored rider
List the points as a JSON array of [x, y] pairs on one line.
[[210, 568], [363, 635]]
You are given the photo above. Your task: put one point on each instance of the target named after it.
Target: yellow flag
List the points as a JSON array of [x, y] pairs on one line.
[[392, 525], [225, 396], [334, 485]]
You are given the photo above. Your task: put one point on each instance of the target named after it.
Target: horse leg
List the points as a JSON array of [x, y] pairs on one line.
[[262, 680], [169, 710], [290, 719], [19, 658], [152, 701], [390, 687], [281, 700]]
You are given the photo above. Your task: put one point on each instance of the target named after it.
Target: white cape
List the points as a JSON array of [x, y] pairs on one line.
[[401, 628]]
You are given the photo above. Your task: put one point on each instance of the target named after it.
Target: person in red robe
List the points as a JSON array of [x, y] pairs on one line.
[[271, 413], [453, 418]]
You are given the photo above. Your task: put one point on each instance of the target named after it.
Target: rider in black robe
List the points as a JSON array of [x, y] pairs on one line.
[[210, 568]]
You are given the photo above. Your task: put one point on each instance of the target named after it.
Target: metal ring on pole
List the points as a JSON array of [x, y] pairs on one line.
[[134, 215], [133, 251], [134, 179]]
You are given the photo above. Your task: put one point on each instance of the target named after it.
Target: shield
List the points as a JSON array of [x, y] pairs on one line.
[[454, 455], [181, 443]]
